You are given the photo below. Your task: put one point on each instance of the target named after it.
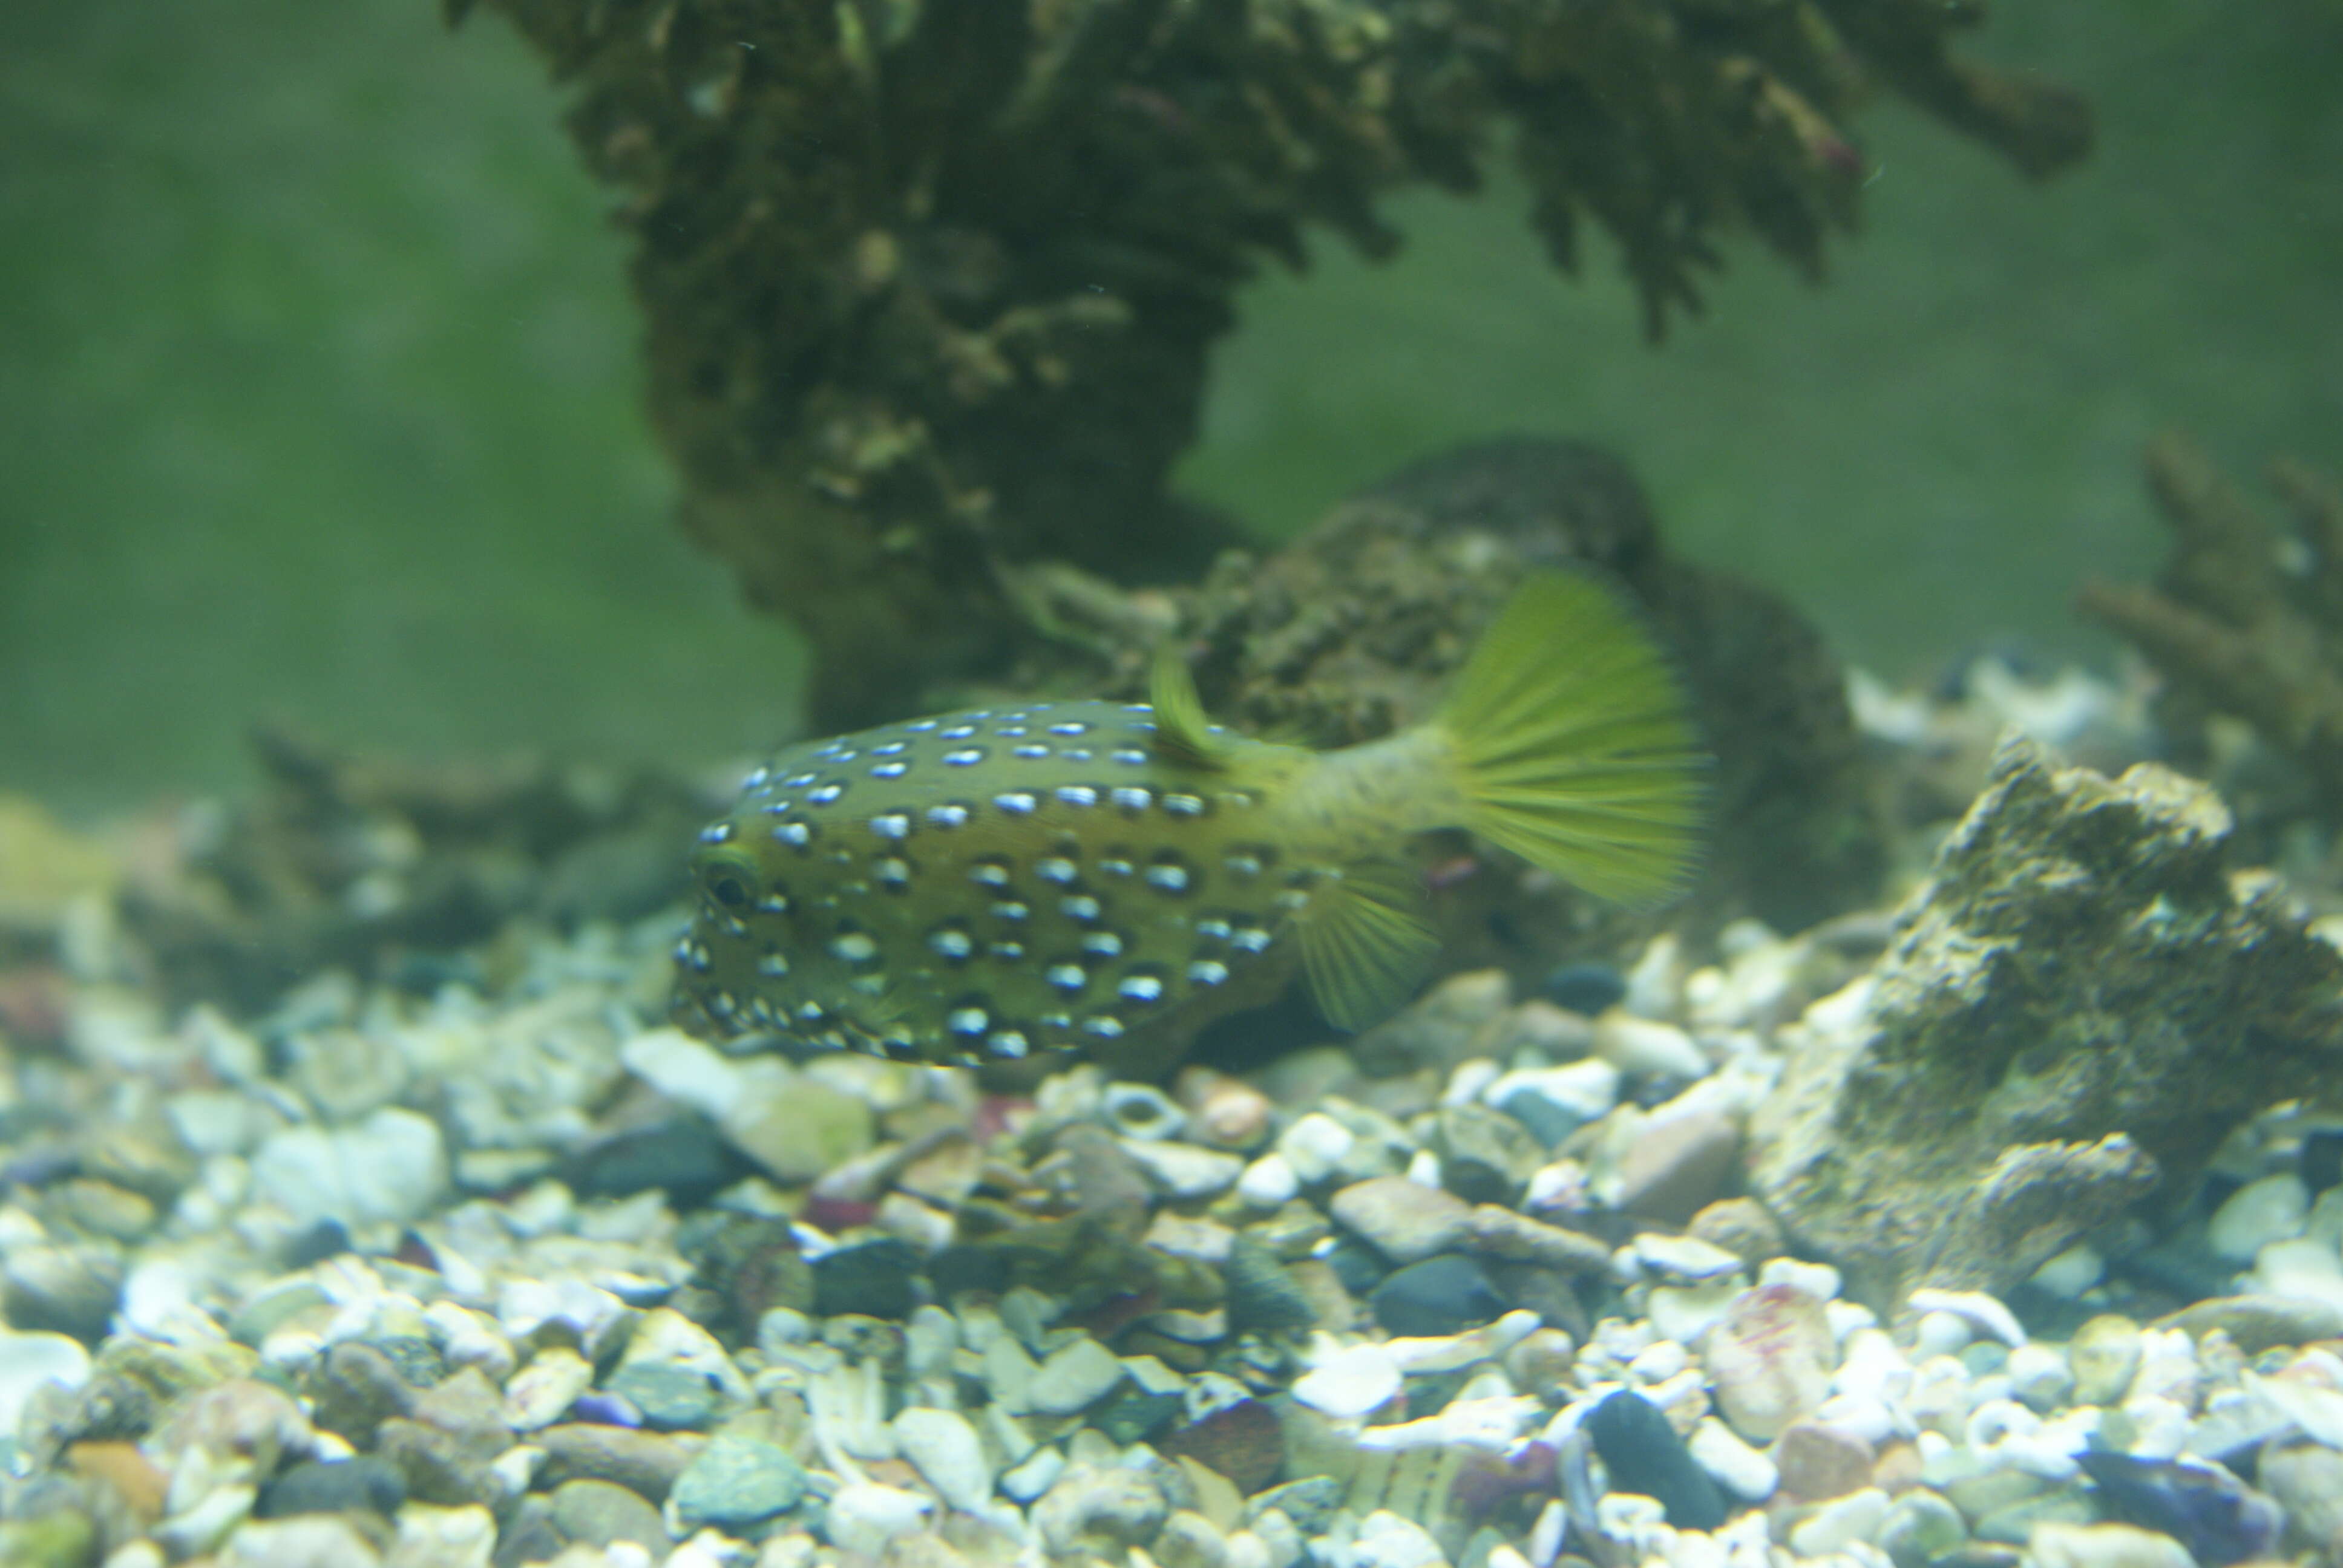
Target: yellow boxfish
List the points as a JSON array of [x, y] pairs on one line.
[[1053, 875]]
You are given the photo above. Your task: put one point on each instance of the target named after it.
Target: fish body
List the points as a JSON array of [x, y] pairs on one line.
[[1048, 876]]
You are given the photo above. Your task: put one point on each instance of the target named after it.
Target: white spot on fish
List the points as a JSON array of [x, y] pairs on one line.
[[1068, 976], [892, 825], [1184, 805], [1142, 988], [1056, 868], [1069, 727], [966, 1021], [855, 947], [794, 833], [1130, 756], [951, 944], [1078, 795], [773, 966], [966, 756], [891, 769], [1017, 802], [1031, 753], [1079, 906], [1208, 971], [1006, 1042], [1104, 1025], [1131, 797], [952, 815], [1104, 944], [826, 794], [1171, 878]]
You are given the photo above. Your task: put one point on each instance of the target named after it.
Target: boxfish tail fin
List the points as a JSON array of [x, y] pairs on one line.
[[1573, 745]]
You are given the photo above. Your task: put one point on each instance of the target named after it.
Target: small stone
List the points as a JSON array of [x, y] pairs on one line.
[[865, 1516], [1684, 1258], [431, 1537], [1497, 1233], [1677, 1164], [1819, 1463], [1188, 1540], [1840, 1523], [645, 1463], [1485, 1156], [682, 1155], [1740, 1469], [1441, 1295], [1263, 1296], [1982, 1313], [337, 1486], [1770, 1359], [597, 1513], [1647, 1046], [1224, 1112], [2059, 1545], [1104, 1510], [1388, 1540], [2104, 1355], [1643, 1455], [308, 1541], [1588, 990], [1185, 1171], [1351, 1384], [1073, 1378], [1268, 1183], [2273, 1208], [1405, 1220], [737, 1482], [1920, 1528], [2258, 1323], [355, 1389], [1142, 1110], [2306, 1479], [669, 1398], [29, 1362], [1243, 1441], [1553, 1102], [1314, 1147], [1739, 1227], [870, 1278], [2039, 1376], [542, 1391], [948, 1455], [389, 1168], [60, 1289]]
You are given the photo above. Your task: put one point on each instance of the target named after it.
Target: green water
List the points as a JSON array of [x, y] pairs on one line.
[[318, 399]]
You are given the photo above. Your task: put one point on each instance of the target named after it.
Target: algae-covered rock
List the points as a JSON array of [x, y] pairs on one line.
[[931, 288], [2082, 998], [1357, 628]]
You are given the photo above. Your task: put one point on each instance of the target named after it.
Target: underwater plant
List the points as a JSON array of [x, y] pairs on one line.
[[929, 289]]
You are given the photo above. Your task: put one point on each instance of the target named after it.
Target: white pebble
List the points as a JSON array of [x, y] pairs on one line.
[[2070, 1273], [1350, 1383], [1644, 1045], [2061, 1545], [2038, 1375], [1981, 1311], [1073, 1378], [1840, 1523], [1940, 1334], [1819, 1280], [2274, 1208], [1744, 1471], [1268, 1183], [864, 1516], [946, 1451], [1313, 1147], [1035, 1476]]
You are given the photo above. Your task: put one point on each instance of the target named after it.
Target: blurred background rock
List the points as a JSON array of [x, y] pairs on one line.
[[318, 395]]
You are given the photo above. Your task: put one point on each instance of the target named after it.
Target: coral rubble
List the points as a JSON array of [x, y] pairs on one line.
[[2084, 998], [2245, 621], [929, 289]]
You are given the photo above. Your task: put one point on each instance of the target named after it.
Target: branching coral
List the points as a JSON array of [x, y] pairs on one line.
[[2246, 620], [930, 288]]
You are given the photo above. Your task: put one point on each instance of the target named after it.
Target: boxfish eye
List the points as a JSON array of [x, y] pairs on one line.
[[730, 877]]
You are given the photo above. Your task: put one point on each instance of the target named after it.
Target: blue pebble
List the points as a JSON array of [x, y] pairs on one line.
[[1643, 1455], [1588, 988]]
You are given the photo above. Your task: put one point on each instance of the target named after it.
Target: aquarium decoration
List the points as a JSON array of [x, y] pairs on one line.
[[2247, 618], [929, 289]]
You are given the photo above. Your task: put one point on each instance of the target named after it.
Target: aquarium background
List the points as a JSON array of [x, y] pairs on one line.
[[319, 395]]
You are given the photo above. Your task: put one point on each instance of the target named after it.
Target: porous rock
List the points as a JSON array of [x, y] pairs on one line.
[[2080, 998]]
